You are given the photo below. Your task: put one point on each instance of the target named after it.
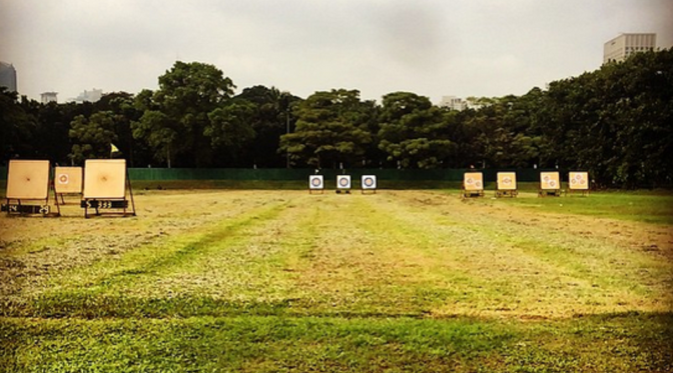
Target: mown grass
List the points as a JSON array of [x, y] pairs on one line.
[[397, 281], [641, 207], [615, 343]]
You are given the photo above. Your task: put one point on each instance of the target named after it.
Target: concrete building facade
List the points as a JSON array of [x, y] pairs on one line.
[[48, 97], [453, 103], [624, 45], [8, 76], [89, 96]]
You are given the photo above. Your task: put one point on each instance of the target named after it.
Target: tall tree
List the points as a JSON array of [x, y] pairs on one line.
[[92, 136], [176, 116], [17, 127], [331, 130], [413, 132], [271, 118]]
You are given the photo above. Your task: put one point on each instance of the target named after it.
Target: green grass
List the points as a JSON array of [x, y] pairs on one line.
[[391, 282], [618, 343], [642, 207]]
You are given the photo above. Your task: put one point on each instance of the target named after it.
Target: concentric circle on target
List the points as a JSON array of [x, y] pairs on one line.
[[550, 180], [506, 180], [579, 180], [473, 181], [68, 180], [316, 182], [344, 181], [368, 182]]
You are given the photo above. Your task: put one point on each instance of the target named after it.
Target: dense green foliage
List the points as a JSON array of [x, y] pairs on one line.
[[614, 122]]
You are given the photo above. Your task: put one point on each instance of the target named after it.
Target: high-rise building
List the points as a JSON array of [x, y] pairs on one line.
[[624, 45], [48, 97], [8, 76]]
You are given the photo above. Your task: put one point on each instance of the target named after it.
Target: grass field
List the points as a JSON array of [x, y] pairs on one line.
[[398, 281]]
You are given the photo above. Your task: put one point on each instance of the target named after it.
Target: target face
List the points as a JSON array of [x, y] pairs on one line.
[[315, 182], [368, 182], [344, 181], [473, 181], [104, 178], [550, 180], [27, 179], [579, 180], [68, 179], [507, 180]]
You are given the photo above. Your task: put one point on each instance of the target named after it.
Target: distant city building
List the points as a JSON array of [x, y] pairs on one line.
[[624, 45], [453, 103], [8, 76], [457, 103], [48, 97], [89, 96]]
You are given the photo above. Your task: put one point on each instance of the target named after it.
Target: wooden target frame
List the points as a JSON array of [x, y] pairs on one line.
[[550, 184], [343, 184], [368, 183], [316, 183], [578, 182], [506, 185], [106, 186], [473, 184], [67, 180], [28, 186]]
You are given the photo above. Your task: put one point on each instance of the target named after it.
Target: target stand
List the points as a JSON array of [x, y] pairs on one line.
[[67, 180], [28, 186], [316, 183], [343, 183], [550, 184], [473, 185], [506, 185], [368, 184], [106, 184], [578, 182]]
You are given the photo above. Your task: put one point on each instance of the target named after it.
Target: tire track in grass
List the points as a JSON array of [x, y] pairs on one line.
[[339, 269], [113, 284], [563, 274], [439, 270], [249, 266], [40, 249]]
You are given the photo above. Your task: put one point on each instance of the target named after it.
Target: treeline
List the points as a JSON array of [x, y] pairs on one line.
[[615, 122]]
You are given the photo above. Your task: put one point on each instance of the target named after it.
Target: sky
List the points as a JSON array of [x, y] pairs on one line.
[[434, 48]]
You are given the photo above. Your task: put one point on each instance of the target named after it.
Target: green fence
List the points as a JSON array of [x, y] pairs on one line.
[[283, 174]]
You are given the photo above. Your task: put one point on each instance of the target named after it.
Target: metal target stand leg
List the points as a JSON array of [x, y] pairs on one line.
[[58, 206], [133, 204]]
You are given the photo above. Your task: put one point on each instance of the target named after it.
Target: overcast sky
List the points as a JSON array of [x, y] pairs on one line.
[[430, 47]]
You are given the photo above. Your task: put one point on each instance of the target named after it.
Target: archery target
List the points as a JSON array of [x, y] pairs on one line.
[[473, 181], [315, 182], [28, 179], [344, 181], [68, 179], [507, 180], [578, 180], [368, 182], [104, 178], [550, 180]]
